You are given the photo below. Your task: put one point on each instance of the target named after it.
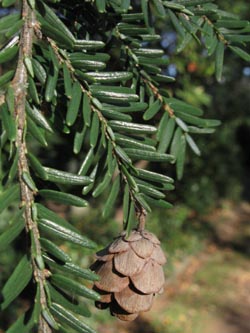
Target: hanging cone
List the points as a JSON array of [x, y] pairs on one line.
[[130, 273]]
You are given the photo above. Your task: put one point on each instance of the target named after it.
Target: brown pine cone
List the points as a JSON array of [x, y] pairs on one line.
[[130, 273]]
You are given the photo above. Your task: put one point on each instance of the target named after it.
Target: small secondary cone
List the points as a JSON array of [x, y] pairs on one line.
[[131, 273]]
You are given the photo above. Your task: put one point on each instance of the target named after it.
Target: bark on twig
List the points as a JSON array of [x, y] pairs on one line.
[[141, 216], [19, 84]]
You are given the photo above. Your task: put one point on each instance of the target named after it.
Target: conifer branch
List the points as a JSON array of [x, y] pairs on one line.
[[139, 210], [19, 84]]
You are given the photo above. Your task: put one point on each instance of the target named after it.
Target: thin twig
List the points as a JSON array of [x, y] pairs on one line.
[[141, 216], [19, 84], [165, 106]]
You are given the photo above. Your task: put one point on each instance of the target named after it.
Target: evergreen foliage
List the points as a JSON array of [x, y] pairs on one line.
[[91, 73]]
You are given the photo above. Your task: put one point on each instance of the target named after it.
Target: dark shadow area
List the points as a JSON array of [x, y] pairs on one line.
[[238, 319], [243, 139], [140, 325], [241, 245], [229, 227]]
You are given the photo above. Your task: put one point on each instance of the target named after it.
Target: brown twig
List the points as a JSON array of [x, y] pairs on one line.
[[155, 90], [19, 84], [165, 106], [141, 216]]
